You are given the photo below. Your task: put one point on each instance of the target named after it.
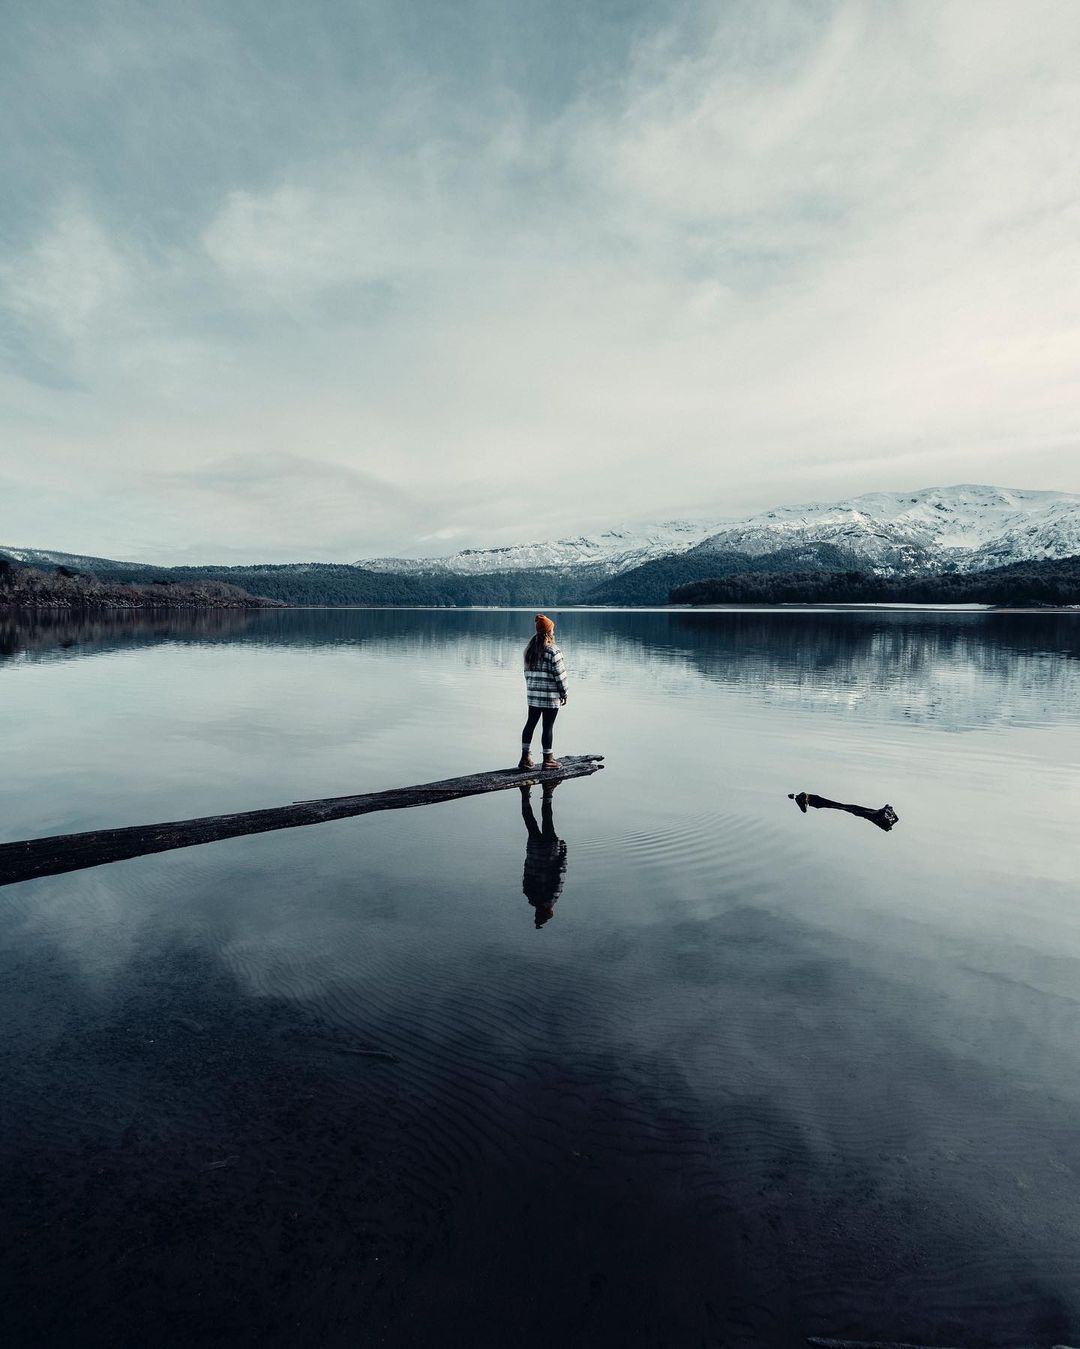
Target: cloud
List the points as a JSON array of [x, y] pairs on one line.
[[289, 498], [294, 243], [732, 256], [70, 281]]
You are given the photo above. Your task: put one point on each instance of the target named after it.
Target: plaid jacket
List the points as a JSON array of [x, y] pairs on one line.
[[546, 685]]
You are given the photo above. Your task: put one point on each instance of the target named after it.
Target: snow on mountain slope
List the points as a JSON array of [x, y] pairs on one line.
[[614, 551], [966, 528], [44, 557]]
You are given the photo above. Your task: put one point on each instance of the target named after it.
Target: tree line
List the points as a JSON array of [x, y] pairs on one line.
[[1051, 582], [817, 574], [63, 588]]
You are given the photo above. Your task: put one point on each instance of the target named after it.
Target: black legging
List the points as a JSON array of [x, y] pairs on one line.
[[547, 735]]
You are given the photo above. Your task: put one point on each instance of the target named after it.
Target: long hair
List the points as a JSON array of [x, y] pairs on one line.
[[536, 650]]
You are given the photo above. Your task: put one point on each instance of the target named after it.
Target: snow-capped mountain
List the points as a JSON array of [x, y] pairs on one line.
[[44, 557], [964, 528], [608, 554]]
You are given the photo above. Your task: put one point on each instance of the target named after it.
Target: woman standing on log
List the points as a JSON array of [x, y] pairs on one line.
[[545, 687]]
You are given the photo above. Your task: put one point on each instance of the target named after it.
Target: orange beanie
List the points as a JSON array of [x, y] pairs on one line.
[[544, 626]]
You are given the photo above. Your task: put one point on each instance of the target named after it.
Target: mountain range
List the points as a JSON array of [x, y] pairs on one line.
[[963, 528], [930, 532], [608, 554]]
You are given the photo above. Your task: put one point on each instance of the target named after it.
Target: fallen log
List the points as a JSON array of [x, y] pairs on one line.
[[884, 816], [29, 858]]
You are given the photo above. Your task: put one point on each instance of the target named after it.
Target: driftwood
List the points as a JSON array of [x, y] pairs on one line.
[[884, 817], [72, 852]]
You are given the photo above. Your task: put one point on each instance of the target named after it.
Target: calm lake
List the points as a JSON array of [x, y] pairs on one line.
[[667, 1063]]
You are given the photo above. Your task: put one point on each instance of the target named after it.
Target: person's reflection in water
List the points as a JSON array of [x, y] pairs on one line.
[[545, 856]]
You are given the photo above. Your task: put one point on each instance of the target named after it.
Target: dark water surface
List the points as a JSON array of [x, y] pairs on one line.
[[666, 1064]]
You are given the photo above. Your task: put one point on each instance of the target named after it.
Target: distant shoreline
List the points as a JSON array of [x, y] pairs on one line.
[[256, 603], [780, 580]]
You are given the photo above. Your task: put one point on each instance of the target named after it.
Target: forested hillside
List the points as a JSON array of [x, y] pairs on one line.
[[63, 588], [653, 582], [1052, 582], [812, 574], [329, 584]]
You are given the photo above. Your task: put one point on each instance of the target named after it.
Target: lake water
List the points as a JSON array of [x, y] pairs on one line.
[[670, 1064]]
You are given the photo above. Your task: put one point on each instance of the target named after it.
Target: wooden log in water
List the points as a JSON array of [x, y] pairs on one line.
[[883, 816], [28, 858]]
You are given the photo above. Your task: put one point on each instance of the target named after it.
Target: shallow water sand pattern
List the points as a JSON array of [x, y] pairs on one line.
[[759, 1076]]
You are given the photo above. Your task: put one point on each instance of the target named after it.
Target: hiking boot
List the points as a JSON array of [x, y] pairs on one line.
[[550, 761], [525, 762]]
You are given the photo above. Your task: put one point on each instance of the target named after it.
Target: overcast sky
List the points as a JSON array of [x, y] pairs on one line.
[[322, 279]]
